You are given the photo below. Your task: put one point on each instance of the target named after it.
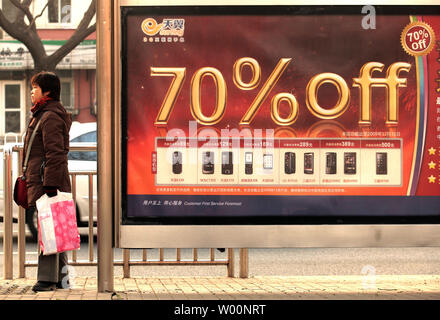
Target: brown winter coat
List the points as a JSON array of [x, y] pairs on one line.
[[51, 145]]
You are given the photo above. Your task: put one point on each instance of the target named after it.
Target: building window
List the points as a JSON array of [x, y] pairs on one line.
[[67, 94], [60, 11], [12, 108]]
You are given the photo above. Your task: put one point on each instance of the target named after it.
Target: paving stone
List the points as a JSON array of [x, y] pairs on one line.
[[104, 296], [74, 297], [223, 288], [134, 296], [149, 296]]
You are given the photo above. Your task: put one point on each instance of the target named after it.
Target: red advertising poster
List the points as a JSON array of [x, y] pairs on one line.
[[280, 112]]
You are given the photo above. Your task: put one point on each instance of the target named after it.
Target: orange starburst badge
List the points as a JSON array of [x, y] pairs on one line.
[[418, 38]]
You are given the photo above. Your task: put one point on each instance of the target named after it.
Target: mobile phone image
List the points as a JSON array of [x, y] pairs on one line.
[[208, 162], [267, 161], [227, 165], [350, 162], [177, 162], [381, 163], [289, 163], [308, 162], [330, 162], [248, 163]]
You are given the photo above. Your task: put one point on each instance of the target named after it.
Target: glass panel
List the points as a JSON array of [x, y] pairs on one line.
[[74, 155], [12, 96], [53, 11], [65, 94], [65, 11], [88, 137], [12, 121], [90, 156], [84, 155]]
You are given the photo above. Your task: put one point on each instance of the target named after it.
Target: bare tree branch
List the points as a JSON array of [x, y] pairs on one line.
[[36, 17], [24, 7], [28, 35], [5, 23], [18, 30], [88, 15], [83, 31]]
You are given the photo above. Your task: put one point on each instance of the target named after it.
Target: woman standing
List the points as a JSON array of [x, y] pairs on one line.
[[47, 169]]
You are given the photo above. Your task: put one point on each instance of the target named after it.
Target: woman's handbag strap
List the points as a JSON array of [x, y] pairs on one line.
[[28, 151]]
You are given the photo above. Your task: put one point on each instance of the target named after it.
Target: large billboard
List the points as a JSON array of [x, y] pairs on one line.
[[280, 115]]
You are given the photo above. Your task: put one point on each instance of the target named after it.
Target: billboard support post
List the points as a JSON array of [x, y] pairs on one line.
[[8, 273], [104, 147], [244, 263], [231, 256]]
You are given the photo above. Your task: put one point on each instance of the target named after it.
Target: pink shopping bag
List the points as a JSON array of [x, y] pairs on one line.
[[57, 226]]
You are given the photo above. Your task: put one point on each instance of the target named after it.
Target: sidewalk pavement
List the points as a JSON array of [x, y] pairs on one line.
[[379, 287]]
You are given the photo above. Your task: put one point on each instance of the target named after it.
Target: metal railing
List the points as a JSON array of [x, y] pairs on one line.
[[126, 262]]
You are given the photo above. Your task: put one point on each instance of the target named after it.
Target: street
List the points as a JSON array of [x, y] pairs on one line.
[[265, 262]]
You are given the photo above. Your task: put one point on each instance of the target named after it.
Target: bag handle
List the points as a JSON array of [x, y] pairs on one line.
[[28, 151]]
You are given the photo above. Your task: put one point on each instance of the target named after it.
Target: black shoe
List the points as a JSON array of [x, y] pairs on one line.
[[60, 285], [44, 286], [221, 249]]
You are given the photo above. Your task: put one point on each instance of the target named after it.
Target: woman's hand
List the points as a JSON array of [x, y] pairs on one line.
[[50, 191]]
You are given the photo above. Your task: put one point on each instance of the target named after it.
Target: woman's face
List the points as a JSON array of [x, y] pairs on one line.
[[37, 94]]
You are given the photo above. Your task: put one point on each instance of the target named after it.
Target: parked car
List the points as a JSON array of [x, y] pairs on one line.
[[81, 134]]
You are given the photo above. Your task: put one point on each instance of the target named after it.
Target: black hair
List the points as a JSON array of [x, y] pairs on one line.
[[48, 82]]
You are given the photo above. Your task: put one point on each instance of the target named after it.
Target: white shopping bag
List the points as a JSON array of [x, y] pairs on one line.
[[57, 226]]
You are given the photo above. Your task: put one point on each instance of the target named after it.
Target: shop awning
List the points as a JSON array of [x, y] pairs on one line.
[[15, 56]]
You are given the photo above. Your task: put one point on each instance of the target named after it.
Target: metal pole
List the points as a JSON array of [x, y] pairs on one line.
[[21, 228], [21, 243], [74, 252], [126, 262], [90, 217], [244, 263], [105, 94], [231, 262], [7, 216]]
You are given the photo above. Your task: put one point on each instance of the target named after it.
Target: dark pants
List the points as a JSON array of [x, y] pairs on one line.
[[52, 267]]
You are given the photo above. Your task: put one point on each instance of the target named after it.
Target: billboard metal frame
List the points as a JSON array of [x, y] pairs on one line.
[[253, 235]]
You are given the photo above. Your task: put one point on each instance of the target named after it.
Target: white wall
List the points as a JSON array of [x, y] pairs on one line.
[[77, 10]]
